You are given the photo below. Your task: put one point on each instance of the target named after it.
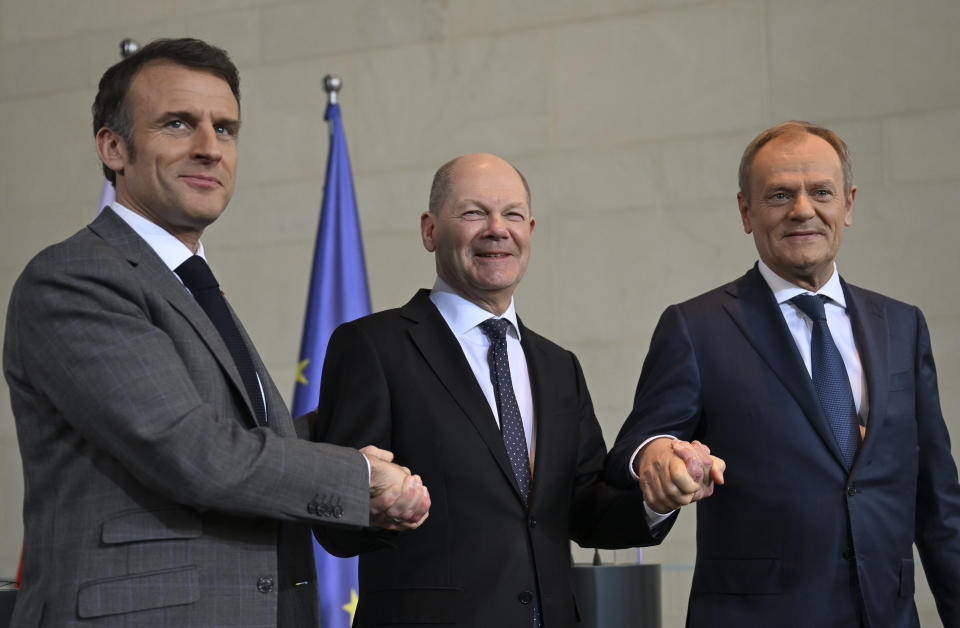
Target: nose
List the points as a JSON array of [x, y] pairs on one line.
[[802, 207], [496, 226], [206, 143]]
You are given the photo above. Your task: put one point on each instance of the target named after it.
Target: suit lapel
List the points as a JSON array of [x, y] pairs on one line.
[[870, 335], [433, 339], [114, 230], [757, 314], [544, 396]]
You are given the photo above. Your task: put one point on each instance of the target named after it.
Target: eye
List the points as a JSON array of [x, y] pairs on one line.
[[516, 216], [175, 124]]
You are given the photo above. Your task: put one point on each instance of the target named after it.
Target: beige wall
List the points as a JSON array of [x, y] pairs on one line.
[[628, 117]]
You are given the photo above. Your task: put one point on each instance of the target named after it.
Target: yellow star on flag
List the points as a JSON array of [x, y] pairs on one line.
[[300, 366], [351, 606]]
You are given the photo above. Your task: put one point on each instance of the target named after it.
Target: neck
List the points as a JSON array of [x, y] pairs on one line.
[[188, 235]]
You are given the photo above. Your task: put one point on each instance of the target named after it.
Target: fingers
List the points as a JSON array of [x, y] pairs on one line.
[[664, 478], [692, 458], [376, 452], [674, 473], [401, 507], [716, 471]]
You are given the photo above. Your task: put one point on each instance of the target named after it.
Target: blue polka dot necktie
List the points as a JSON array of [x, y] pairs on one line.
[[511, 425], [830, 378]]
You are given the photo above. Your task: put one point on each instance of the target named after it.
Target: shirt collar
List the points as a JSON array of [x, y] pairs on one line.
[[172, 251], [784, 290], [463, 315]]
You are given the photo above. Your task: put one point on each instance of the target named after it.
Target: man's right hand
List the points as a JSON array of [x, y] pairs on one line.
[[398, 499], [674, 473]]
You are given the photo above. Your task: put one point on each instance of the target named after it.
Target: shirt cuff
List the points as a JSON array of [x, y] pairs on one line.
[[367, 460], [653, 517], [636, 451]]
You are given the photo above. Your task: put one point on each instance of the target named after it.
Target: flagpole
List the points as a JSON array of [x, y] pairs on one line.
[[338, 294], [332, 85]]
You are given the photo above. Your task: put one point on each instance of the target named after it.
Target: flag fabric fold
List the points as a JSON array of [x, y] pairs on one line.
[[338, 293]]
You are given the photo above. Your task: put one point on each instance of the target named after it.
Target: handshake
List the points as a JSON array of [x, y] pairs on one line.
[[398, 499], [673, 473]]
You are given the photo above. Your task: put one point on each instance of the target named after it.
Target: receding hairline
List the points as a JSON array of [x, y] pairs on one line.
[[794, 130], [443, 181]]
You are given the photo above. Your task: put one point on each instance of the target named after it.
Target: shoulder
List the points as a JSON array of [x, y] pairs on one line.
[[706, 306], [83, 256], [873, 298], [386, 327]]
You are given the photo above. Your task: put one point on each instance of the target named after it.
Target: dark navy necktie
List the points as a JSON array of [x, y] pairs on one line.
[[511, 424], [830, 378], [198, 277]]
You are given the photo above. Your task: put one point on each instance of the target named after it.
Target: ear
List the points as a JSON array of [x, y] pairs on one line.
[[427, 225], [848, 211], [744, 213], [533, 223], [112, 150]]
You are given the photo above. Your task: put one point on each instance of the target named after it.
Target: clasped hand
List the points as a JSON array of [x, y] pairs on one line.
[[674, 473], [398, 499]]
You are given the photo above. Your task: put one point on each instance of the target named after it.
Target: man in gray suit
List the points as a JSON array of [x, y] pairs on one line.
[[164, 483]]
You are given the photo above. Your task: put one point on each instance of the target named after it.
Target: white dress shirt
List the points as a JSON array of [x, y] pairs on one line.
[[464, 318]]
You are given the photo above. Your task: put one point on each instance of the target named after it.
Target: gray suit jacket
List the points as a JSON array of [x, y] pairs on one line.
[[150, 497]]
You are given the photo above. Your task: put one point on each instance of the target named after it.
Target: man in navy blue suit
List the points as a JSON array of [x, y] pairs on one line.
[[824, 407]]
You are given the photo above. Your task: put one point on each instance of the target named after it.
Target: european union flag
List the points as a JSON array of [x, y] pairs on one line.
[[338, 293]]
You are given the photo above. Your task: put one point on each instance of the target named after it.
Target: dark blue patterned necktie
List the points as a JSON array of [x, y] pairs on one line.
[[511, 424], [830, 378], [198, 277]]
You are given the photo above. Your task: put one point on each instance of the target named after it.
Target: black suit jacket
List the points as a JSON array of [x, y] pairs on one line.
[[399, 380], [791, 539]]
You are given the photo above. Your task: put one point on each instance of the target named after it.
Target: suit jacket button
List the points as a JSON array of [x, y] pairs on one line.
[[532, 522], [264, 584], [851, 490], [849, 554], [525, 597]]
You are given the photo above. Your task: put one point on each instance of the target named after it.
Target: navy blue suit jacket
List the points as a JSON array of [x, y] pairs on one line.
[[792, 539]]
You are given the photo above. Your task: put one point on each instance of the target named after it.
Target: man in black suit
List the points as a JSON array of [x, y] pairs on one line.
[[496, 419], [822, 398]]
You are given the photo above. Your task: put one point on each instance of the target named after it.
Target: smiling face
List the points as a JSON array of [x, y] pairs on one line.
[[185, 124], [797, 209], [481, 233]]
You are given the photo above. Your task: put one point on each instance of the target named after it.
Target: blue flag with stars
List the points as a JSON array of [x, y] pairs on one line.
[[338, 293]]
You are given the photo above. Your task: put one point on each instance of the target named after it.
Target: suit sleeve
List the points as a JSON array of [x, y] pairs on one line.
[[84, 343], [354, 410], [938, 491], [603, 515], [668, 397]]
